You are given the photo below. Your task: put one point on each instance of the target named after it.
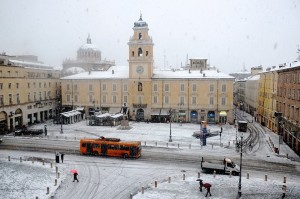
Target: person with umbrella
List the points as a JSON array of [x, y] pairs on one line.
[[75, 174], [207, 186], [200, 184]]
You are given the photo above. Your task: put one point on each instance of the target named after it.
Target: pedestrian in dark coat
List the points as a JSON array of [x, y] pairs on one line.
[[75, 177], [62, 157], [201, 185]]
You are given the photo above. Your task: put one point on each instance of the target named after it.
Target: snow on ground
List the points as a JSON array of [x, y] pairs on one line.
[[28, 180]]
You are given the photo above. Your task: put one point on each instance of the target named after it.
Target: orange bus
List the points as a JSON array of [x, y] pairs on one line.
[[110, 147]]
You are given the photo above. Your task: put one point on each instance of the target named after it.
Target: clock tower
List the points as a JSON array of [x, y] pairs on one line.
[[140, 71], [140, 52]]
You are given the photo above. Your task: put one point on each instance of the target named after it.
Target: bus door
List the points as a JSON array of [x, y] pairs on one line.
[[89, 148], [133, 151], [103, 149]]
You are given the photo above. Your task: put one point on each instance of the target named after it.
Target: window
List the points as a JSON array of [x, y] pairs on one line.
[[132, 53], [29, 97], [68, 98], [154, 99], [40, 85], [194, 100], [104, 99], [1, 100], [166, 87], [211, 100], [90, 87], [28, 85], [114, 99], [76, 98], [125, 87], [17, 85], [166, 99], [1, 86], [68, 87], [125, 98], [104, 87], [18, 98], [140, 52], [9, 85], [155, 87], [223, 101], [34, 96], [223, 88], [114, 87], [194, 87], [181, 100], [34, 84], [91, 98], [45, 85], [211, 88], [10, 98], [45, 95], [181, 87]]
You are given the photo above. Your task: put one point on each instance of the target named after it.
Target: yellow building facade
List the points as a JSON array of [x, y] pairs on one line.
[[28, 93], [145, 93]]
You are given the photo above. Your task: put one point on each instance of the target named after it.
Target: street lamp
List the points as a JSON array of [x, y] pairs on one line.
[[240, 176], [170, 113]]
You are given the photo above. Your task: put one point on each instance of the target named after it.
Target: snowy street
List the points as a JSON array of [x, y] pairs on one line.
[[107, 177]]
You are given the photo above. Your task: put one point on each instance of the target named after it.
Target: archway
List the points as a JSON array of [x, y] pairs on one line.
[[211, 117], [140, 115], [3, 122], [18, 118], [194, 116]]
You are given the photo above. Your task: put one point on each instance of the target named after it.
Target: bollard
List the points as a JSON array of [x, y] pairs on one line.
[[198, 174], [212, 146], [55, 182], [51, 165], [167, 145], [20, 159], [178, 145], [131, 195], [145, 143], [284, 179], [155, 184], [155, 143], [215, 173], [56, 169], [247, 175], [230, 174], [32, 161], [190, 146], [266, 177], [143, 189], [58, 175], [169, 179], [229, 143], [48, 190], [8, 158], [43, 162], [184, 176]]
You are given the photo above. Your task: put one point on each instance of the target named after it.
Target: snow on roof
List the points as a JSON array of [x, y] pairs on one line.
[[89, 46], [114, 72], [182, 74], [122, 72], [255, 77], [30, 64]]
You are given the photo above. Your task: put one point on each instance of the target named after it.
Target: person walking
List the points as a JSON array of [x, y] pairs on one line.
[[62, 157], [75, 177], [200, 185], [208, 191]]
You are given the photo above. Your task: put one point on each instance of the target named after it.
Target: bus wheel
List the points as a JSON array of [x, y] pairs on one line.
[[125, 155]]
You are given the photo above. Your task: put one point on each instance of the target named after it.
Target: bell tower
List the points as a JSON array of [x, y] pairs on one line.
[[140, 51]]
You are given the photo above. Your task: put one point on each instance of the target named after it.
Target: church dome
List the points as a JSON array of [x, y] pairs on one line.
[[88, 51]]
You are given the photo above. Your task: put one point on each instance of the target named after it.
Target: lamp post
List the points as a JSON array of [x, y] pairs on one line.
[[170, 112], [240, 176], [60, 118]]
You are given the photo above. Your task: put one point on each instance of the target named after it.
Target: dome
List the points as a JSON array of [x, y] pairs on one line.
[[75, 70], [89, 45], [140, 23]]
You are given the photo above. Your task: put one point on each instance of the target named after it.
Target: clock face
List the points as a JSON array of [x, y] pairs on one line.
[[140, 69]]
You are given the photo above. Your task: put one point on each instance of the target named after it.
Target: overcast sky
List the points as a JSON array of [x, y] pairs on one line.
[[229, 33]]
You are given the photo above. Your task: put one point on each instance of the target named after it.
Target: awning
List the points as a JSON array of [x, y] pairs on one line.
[[117, 115], [223, 113], [164, 111], [79, 108], [70, 113], [155, 111], [103, 115]]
